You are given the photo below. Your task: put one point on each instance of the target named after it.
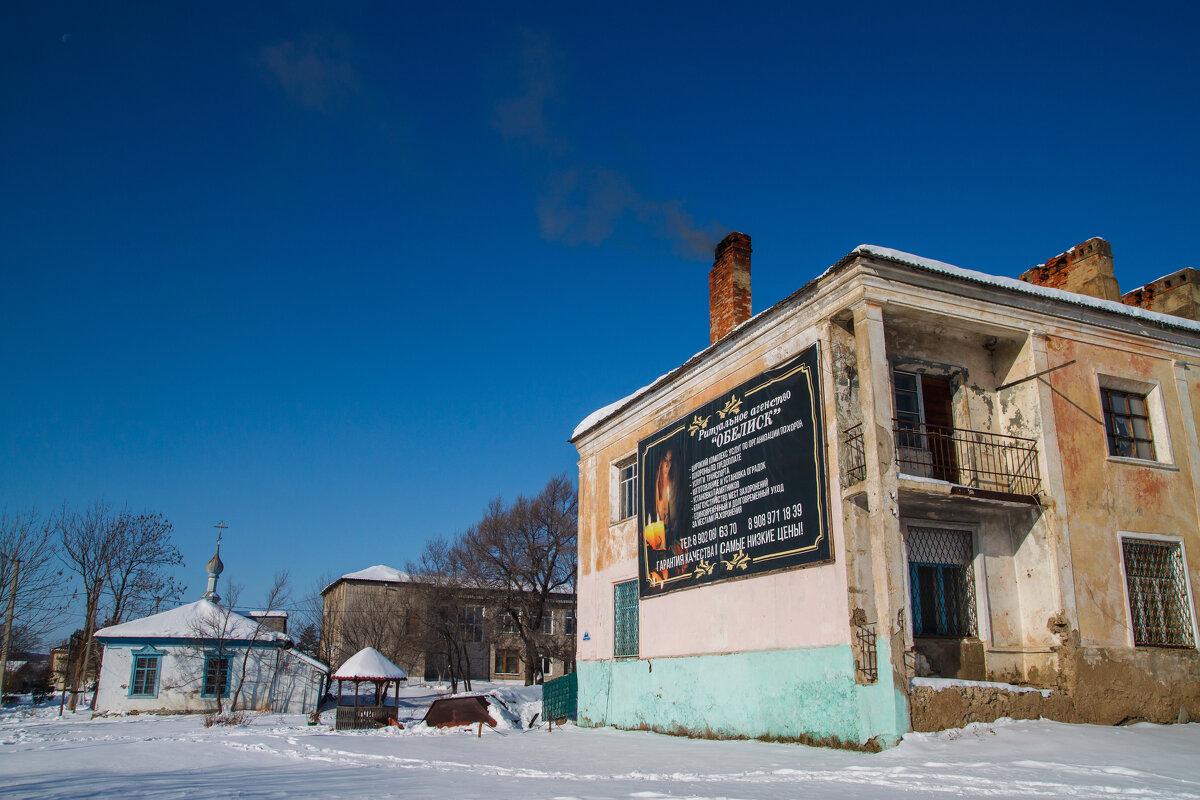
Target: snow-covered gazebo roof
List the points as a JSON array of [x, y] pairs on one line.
[[202, 619], [369, 664]]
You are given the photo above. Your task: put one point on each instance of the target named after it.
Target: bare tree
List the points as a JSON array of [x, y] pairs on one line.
[[526, 553], [141, 550], [277, 596], [449, 621], [31, 579], [87, 546], [118, 557]]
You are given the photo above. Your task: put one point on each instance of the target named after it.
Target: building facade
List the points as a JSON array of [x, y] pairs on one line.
[[202, 656], [390, 610], [977, 478]]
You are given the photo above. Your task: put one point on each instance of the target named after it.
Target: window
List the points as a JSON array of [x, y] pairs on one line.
[[508, 662], [625, 619], [924, 426], [548, 622], [216, 676], [508, 623], [1127, 423], [569, 622], [546, 667], [941, 578], [144, 680], [626, 490], [1158, 595], [472, 624]]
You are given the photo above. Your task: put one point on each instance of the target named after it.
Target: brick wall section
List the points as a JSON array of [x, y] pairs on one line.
[[1085, 269], [1177, 293], [729, 286]]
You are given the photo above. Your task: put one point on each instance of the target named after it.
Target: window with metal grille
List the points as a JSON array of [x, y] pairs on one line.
[[941, 576], [216, 676], [1127, 422], [627, 490], [472, 624], [625, 619], [1157, 581], [145, 676], [508, 662]]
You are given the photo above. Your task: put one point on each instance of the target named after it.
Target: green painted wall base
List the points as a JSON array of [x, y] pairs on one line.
[[802, 695]]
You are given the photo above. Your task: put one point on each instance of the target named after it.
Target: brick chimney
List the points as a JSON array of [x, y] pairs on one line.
[[1177, 294], [729, 286], [1084, 269]]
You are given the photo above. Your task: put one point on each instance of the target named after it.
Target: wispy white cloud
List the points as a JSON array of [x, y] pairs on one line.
[[581, 202], [315, 73]]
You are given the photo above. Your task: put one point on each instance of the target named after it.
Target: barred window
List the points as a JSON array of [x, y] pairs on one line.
[[508, 662], [1127, 422], [941, 576], [627, 490], [145, 676], [625, 619], [1157, 581]]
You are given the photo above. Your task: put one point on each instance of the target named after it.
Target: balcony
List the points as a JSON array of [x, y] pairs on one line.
[[982, 463]]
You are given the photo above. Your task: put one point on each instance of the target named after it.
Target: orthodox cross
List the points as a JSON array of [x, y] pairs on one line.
[[220, 526]]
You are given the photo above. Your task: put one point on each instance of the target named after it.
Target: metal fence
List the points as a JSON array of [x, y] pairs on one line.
[[979, 459], [352, 718], [560, 698]]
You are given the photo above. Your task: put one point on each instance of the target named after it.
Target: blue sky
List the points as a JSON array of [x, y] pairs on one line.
[[338, 277]]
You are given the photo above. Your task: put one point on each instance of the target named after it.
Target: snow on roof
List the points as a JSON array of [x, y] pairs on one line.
[[380, 572], [307, 659], [202, 619], [599, 415], [1111, 306], [369, 664]]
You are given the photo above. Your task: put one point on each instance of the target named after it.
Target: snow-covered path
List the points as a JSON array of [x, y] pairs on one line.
[[42, 756]]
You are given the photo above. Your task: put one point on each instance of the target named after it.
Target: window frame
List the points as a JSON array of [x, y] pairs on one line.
[[147, 653], [508, 653], [570, 623], [472, 627], [1151, 393], [217, 657], [624, 477], [548, 623], [1187, 600]]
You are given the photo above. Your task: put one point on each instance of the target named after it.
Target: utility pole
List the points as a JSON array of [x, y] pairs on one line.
[[8, 619]]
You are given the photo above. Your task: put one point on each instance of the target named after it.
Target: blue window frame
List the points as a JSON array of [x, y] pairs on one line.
[[216, 676], [144, 672]]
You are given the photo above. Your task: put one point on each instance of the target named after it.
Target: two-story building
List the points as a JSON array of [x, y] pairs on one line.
[[402, 616], [905, 471]]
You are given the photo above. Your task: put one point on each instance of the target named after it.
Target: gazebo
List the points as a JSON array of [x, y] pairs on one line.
[[368, 666]]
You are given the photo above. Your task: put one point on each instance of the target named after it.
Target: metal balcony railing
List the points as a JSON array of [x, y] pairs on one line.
[[980, 460]]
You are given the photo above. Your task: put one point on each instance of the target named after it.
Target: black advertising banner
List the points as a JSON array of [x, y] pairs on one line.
[[738, 486]]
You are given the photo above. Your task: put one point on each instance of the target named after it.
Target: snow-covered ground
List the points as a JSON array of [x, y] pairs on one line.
[[43, 756]]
